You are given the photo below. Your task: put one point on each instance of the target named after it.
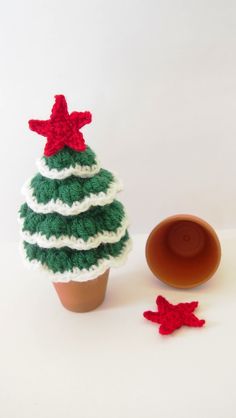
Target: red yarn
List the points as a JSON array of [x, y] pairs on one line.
[[62, 129], [172, 317]]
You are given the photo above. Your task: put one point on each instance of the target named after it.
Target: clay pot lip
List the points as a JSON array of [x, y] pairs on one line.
[[184, 217]]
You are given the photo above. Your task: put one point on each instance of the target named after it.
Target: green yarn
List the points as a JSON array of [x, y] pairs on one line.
[[70, 189], [65, 259], [67, 157], [96, 220]]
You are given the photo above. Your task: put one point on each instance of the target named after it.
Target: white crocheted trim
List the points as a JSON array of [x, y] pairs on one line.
[[73, 242], [99, 199], [81, 275], [79, 170]]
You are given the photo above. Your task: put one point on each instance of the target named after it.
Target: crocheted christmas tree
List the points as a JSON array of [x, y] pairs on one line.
[[72, 225]]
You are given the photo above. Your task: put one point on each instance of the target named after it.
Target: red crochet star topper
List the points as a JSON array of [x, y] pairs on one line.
[[172, 317], [62, 129]]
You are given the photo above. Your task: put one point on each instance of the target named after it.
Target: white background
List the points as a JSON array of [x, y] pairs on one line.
[[159, 78]]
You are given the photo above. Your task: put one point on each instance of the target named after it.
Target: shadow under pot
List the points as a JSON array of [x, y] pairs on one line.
[[183, 251]]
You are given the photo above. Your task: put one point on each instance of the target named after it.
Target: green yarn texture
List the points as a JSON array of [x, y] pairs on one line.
[[67, 157], [86, 225], [71, 189], [65, 259]]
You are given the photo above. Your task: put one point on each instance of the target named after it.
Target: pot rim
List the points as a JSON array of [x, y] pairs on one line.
[[178, 218]]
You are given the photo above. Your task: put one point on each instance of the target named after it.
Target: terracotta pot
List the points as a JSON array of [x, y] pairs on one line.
[[183, 251], [82, 296]]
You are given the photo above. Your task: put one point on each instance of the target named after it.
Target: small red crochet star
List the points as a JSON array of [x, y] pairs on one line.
[[172, 317], [62, 129]]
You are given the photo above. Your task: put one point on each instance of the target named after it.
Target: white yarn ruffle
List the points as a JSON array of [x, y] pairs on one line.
[[73, 242], [79, 170], [99, 199], [81, 275]]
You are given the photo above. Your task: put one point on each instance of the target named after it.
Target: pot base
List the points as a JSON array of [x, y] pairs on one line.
[[183, 251], [82, 296]]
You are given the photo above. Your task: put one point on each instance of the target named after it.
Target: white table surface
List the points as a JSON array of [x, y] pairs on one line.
[[111, 362]]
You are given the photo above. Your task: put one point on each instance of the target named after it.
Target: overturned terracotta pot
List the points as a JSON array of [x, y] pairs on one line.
[[183, 251], [82, 296]]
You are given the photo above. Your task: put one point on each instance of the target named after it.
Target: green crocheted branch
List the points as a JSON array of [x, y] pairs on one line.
[[71, 189], [65, 259], [96, 220], [67, 157]]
